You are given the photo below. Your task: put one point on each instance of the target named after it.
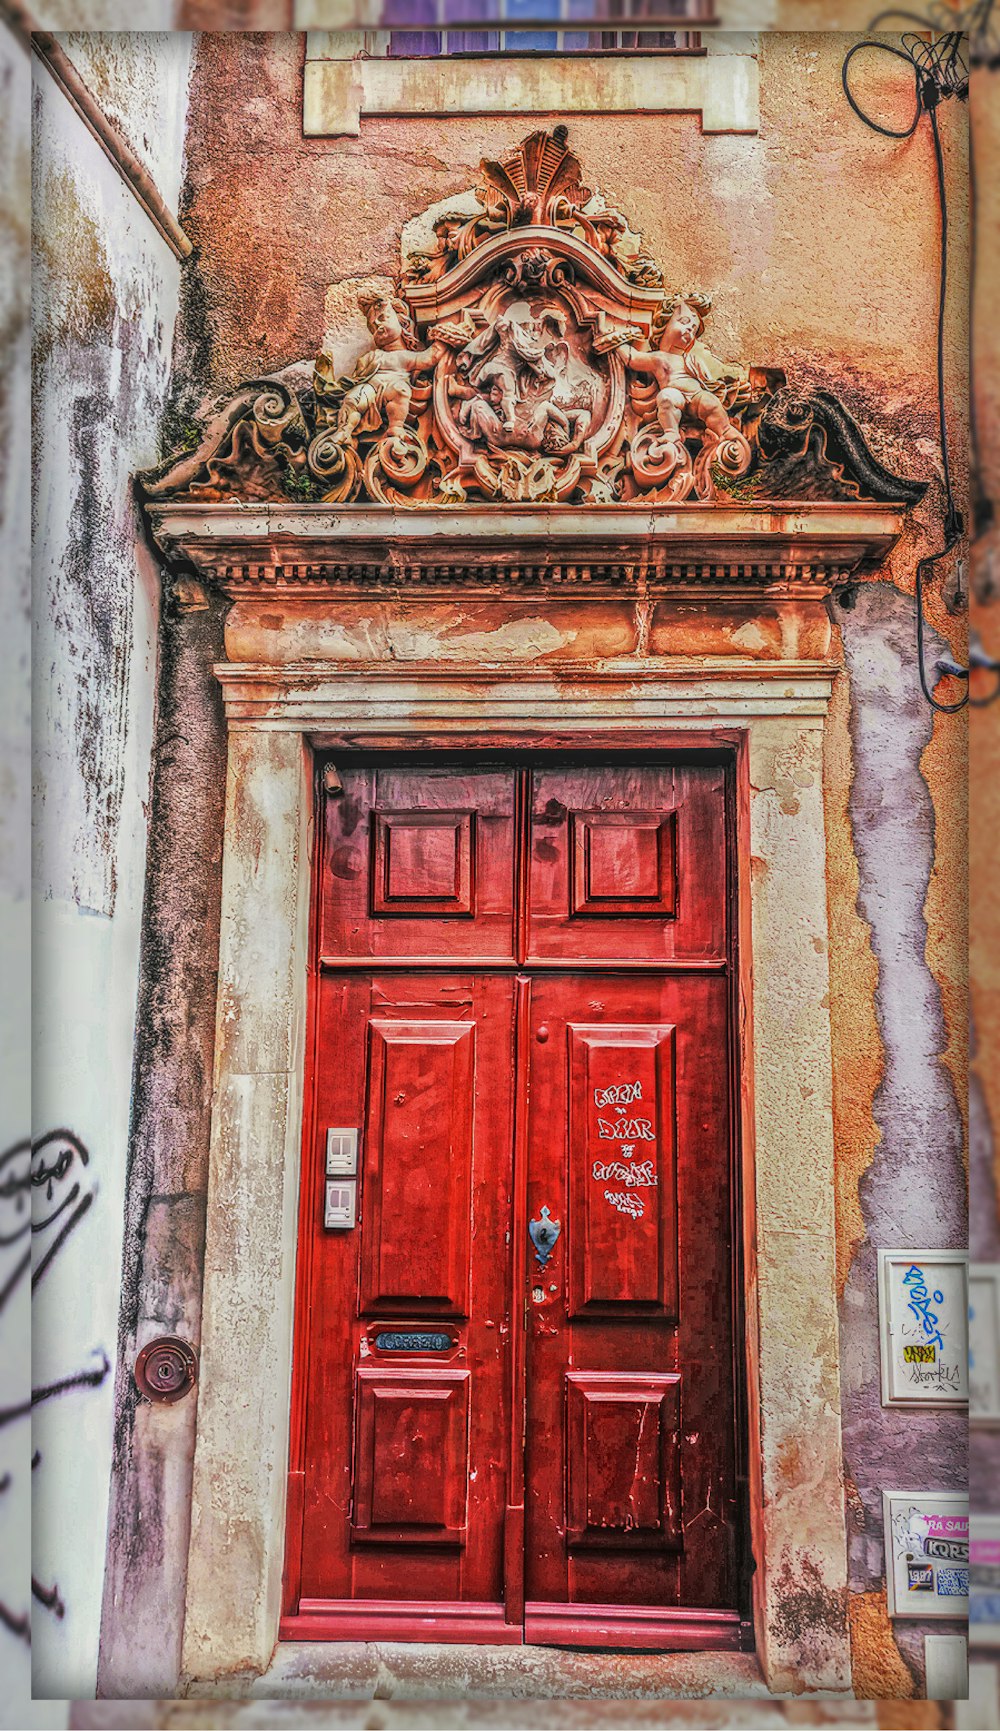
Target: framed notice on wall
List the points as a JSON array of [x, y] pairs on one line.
[[984, 1343], [926, 1553], [923, 1327]]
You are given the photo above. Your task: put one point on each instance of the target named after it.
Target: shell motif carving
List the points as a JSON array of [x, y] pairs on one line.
[[532, 355]]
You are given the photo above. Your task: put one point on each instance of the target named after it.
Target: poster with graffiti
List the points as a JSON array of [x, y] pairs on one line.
[[923, 1327], [984, 1581], [984, 1343], [927, 1553]]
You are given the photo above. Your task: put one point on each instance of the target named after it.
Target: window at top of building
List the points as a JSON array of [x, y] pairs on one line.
[[421, 28]]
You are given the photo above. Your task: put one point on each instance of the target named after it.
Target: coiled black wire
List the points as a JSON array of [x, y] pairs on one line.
[[940, 70]]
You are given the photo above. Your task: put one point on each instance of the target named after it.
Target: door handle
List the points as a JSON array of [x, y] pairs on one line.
[[543, 1234]]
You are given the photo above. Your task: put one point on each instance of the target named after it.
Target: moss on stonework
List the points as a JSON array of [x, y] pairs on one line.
[[178, 434], [299, 484], [735, 486]]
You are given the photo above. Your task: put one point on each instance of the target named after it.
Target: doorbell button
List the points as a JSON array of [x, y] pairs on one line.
[[341, 1153], [340, 1204]]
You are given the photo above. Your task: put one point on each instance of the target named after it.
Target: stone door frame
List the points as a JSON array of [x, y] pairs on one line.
[[774, 715]]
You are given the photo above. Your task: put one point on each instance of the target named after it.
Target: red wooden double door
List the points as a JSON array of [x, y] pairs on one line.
[[515, 1386]]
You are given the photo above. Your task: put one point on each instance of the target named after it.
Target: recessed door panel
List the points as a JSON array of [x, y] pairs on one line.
[[620, 1138], [417, 1197], [623, 1460], [417, 862], [411, 1463], [624, 862], [423, 864], [627, 863]]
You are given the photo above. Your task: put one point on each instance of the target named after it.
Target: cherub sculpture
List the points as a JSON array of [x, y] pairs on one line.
[[377, 396], [689, 378]]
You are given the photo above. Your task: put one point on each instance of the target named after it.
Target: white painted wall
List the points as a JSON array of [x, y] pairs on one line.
[[16, 1708], [105, 294]]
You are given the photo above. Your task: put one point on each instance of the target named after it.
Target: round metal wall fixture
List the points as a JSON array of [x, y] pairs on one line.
[[166, 1369]]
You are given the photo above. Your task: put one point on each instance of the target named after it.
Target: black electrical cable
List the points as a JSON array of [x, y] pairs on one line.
[[974, 21], [901, 54], [939, 71]]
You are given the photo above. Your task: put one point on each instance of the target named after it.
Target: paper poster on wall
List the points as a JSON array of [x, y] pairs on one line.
[[984, 1581], [984, 1343], [923, 1327], [927, 1553], [946, 1663]]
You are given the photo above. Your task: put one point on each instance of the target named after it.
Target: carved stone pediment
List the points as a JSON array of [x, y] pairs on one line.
[[530, 357], [533, 402]]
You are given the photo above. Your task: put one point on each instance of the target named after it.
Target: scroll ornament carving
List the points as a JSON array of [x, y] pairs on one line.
[[531, 354]]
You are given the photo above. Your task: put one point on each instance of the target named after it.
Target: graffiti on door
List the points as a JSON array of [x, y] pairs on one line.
[[634, 1129], [635, 1174]]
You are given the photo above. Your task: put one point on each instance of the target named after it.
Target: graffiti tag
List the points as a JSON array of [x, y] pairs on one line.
[[920, 1300], [628, 1170], [636, 1175], [44, 1194], [619, 1094], [626, 1202], [627, 1129]]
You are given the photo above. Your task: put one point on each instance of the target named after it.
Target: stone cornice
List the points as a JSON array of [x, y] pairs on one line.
[[246, 550], [122, 157]]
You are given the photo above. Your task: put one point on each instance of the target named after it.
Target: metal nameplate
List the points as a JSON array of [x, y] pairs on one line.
[[400, 1342]]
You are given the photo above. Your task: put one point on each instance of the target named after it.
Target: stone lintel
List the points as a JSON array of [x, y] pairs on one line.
[[635, 697]]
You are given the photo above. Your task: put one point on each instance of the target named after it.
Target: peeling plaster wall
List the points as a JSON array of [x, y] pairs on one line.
[[818, 242], [984, 745], [912, 1192], [105, 297]]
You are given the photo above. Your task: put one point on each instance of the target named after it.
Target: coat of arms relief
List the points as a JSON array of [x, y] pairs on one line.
[[532, 353]]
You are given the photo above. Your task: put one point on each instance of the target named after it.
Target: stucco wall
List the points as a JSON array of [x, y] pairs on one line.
[[105, 295]]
